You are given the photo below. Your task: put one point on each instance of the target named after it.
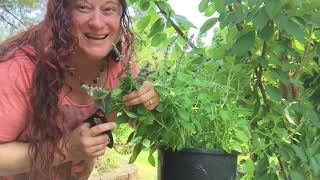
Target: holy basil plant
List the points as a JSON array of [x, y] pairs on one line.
[[200, 107]]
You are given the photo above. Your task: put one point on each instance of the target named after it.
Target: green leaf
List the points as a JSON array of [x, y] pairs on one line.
[[261, 19], [241, 135], [315, 165], [188, 125], [144, 5], [286, 153], [217, 52], [282, 21], [132, 1], [208, 25], [136, 151], [211, 9], [163, 92], [183, 115], [282, 76], [294, 29], [141, 110], [318, 48], [291, 26], [130, 137], [295, 175], [273, 7], [131, 114], [157, 27], [121, 119], [157, 39], [160, 108], [236, 146], [289, 116], [151, 160], [225, 115], [273, 92], [266, 33], [184, 21], [203, 5], [311, 115], [143, 22], [300, 152], [220, 5], [244, 43]]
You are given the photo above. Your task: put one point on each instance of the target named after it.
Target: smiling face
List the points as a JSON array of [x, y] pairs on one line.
[[97, 26]]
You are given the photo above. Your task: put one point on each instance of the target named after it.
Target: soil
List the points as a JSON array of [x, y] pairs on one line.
[[124, 172]]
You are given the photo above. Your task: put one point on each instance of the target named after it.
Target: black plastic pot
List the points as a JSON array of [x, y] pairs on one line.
[[196, 164]]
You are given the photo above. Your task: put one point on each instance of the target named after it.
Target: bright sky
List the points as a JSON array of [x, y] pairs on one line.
[[189, 9]]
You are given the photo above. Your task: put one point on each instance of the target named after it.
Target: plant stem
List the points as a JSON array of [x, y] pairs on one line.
[[228, 89], [306, 51], [283, 169], [258, 73]]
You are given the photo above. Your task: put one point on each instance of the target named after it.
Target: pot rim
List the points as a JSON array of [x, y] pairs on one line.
[[206, 151]]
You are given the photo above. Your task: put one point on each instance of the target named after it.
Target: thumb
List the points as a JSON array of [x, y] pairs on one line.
[[83, 129], [84, 126]]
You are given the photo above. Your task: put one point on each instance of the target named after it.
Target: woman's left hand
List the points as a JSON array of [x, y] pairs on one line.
[[146, 95]]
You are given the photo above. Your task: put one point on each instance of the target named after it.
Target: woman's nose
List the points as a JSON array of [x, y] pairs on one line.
[[96, 21]]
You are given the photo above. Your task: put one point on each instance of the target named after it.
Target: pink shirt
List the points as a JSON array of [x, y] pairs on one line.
[[15, 90]]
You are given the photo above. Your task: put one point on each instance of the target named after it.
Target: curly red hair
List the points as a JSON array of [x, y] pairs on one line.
[[52, 40]]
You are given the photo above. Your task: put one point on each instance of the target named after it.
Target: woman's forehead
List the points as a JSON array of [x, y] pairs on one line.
[[98, 1]]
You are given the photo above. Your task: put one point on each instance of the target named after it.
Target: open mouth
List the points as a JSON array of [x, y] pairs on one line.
[[96, 37]]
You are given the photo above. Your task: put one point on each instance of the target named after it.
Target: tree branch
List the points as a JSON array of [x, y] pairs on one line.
[[174, 25], [258, 72], [14, 16], [6, 21], [240, 24]]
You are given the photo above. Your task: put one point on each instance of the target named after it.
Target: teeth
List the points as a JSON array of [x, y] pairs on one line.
[[96, 37]]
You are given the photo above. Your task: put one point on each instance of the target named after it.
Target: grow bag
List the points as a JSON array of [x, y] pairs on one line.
[[196, 164]]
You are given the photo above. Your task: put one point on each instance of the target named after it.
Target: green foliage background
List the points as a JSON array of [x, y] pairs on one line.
[[275, 44]]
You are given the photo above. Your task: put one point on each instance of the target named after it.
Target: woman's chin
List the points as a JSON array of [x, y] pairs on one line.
[[95, 55]]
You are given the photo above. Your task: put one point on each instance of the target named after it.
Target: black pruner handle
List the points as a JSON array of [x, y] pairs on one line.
[[98, 118]]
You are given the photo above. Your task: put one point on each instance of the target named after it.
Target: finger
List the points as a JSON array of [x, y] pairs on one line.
[[146, 86], [135, 95], [151, 107], [99, 153], [98, 129], [97, 148], [152, 103], [141, 99], [97, 140]]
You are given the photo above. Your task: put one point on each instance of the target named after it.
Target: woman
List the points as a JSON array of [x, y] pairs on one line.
[[42, 134]]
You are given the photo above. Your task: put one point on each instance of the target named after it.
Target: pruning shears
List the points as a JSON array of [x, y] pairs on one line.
[[99, 117]]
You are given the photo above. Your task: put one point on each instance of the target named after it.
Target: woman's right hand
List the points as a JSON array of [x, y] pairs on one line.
[[87, 143]]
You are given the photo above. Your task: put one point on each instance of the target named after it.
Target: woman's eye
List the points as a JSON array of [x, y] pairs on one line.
[[110, 9], [83, 8]]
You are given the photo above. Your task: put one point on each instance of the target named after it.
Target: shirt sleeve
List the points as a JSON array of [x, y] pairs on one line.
[[15, 91]]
